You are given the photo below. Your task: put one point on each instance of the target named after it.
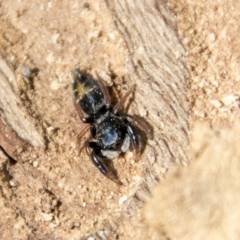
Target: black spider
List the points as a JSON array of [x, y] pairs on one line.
[[113, 131]]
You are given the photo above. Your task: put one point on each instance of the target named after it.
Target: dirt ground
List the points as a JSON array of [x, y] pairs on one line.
[[209, 32], [53, 37]]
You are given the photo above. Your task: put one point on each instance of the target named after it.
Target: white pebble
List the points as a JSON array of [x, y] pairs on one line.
[[216, 103], [47, 217], [212, 37], [35, 164], [229, 100], [122, 199]]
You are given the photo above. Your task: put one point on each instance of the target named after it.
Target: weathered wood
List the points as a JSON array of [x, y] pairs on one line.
[[13, 110], [156, 64]]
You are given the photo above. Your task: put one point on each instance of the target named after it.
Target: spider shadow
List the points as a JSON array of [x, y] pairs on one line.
[[145, 131]]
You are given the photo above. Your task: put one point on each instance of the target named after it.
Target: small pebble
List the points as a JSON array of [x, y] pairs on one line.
[[35, 164], [122, 199]]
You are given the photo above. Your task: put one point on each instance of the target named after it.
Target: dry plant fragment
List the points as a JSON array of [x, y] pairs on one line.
[[13, 110]]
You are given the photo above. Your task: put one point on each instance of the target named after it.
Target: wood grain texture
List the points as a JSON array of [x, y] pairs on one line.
[[12, 108], [156, 64]]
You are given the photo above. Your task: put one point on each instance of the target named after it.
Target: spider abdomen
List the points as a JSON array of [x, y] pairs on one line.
[[87, 93]]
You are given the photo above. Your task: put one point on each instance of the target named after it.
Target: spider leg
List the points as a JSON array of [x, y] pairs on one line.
[[83, 132], [134, 138], [93, 131], [120, 104], [82, 137], [95, 155], [79, 110], [104, 91], [141, 125], [81, 114]]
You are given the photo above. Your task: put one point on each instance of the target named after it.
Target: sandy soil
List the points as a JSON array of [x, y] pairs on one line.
[[54, 37]]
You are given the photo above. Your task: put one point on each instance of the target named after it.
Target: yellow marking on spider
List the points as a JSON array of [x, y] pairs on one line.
[[81, 90]]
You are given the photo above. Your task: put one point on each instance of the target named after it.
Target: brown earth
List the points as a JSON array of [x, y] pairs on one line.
[[172, 51]]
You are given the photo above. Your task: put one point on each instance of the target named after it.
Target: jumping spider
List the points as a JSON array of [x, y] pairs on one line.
[[113, 131]]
